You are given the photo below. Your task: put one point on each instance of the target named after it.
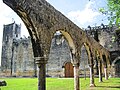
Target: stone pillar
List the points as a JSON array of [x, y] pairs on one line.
[[106, 73], [100, 71], [41, 62], [76, 77], [91, 76], [97, 70]]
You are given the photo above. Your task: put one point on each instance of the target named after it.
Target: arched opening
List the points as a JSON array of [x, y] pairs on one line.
[[90, 63], [117, 68], [84, 66], [59, 54], [70, 41], [17, 55]]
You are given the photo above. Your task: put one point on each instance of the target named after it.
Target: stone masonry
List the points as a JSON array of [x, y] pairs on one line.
[[42, 21], [17, 54]]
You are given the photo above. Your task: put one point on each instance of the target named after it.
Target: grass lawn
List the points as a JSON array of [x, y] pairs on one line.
[[60, 84]]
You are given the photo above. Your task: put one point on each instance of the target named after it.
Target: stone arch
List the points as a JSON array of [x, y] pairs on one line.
[[102, 64], [84, 61], [114, 61], [32, 31], [91, 62], [86, 49], [89, 51], [42, 25], [61, 53], [42, 20], [116, 67], [70, 41]]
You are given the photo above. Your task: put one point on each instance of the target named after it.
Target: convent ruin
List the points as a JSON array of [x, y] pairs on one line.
[[18, 60], [43, 21]]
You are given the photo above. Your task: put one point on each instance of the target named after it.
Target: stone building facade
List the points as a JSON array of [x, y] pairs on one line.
[[108, 37], [17, 55], [18, 60]]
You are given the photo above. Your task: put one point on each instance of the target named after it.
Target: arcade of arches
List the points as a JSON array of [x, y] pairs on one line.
[[42, 21]]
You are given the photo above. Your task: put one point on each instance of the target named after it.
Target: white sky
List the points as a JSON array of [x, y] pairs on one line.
[[81, 12], [87, 15]]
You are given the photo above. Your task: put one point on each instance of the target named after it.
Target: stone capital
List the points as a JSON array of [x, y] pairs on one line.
[[40, 60]]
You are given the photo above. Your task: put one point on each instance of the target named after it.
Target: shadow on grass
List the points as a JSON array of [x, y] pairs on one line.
[[108, 86]]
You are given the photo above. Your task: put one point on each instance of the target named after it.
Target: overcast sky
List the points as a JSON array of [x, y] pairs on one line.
[[81, 12]]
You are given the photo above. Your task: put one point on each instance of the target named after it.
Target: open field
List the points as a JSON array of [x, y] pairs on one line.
[[60, 84]]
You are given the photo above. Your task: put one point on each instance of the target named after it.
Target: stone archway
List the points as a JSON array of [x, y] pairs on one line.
[[116, 67], [42, 20], [90, 62], [69, 72]]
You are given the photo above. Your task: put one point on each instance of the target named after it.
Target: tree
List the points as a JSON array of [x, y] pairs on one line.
[[113, 11]]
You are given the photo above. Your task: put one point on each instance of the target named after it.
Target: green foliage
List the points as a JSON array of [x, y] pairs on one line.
[[113, 11], [114, 8], [60, 84]]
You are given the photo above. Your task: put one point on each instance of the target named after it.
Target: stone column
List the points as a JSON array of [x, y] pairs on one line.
[[97, 70], [91, 76], [100, 71], [41, 62], [76, 77], [106, 73]]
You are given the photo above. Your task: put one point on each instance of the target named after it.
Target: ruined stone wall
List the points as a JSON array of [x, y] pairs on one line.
[[108, 37], [17, 54], [23, 60], [10, 31], [21, 55], [59, 54]]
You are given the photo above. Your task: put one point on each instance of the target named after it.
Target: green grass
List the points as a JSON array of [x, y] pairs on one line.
[[60, 84]]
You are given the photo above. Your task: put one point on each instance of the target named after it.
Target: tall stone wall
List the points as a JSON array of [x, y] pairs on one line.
[[9, 33], [107, 36], [17, 54], [23, 60], [59, 54]]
